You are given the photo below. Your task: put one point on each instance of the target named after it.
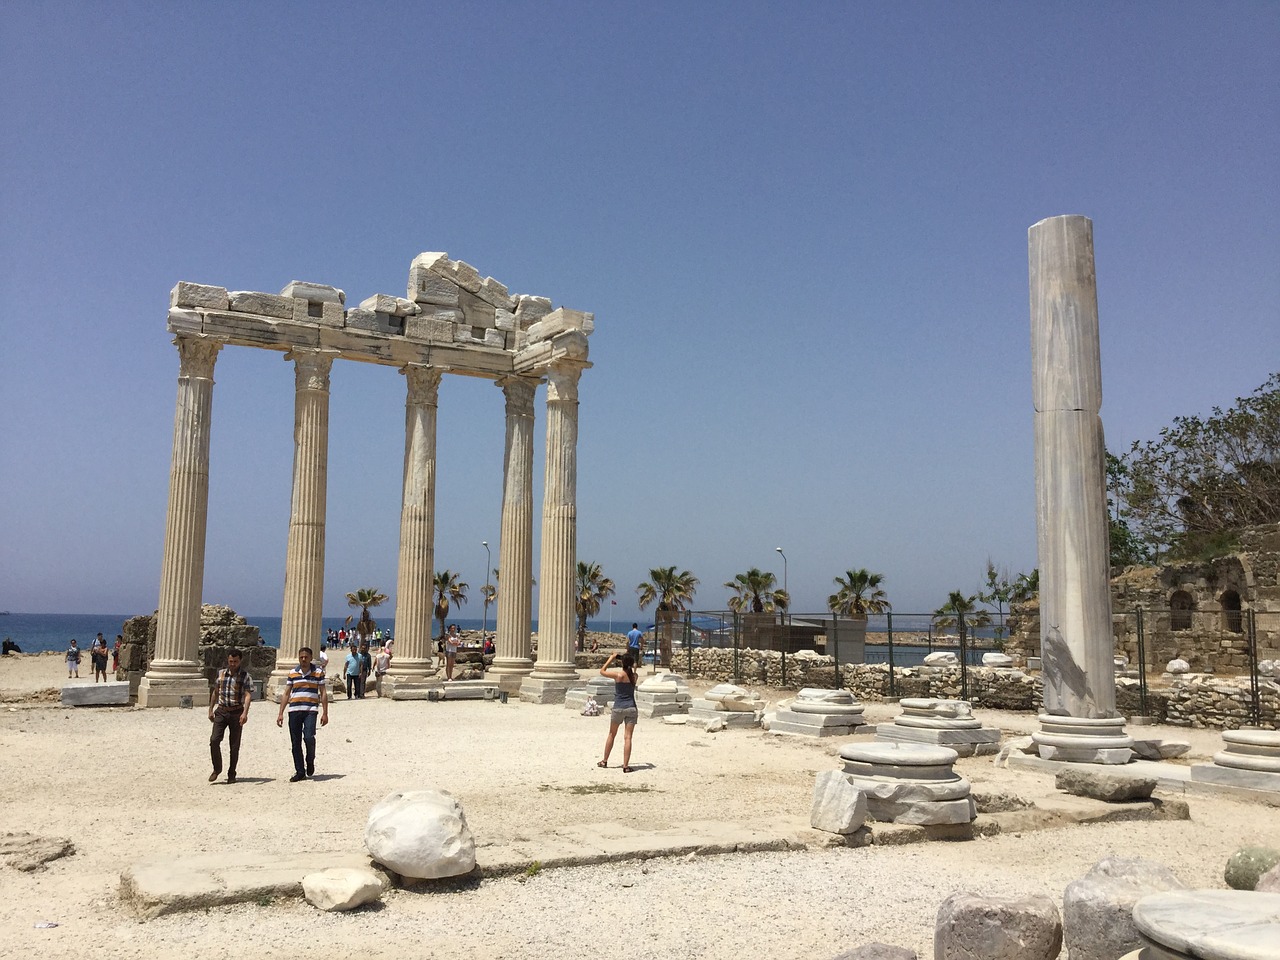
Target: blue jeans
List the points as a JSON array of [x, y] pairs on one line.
[[302, 730]]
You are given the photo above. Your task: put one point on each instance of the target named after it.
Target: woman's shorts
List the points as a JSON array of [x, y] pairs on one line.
[[627, 715]]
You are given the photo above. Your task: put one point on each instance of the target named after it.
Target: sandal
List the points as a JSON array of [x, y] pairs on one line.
[[602, 763], [628, 769]]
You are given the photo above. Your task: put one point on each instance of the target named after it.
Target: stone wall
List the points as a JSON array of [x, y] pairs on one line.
[[221, 629], [1208, 636]]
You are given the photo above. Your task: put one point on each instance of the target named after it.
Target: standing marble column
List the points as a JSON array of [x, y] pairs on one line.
[[413, 660], [1080, 721], [514, 658], [175, 672], [304, 559], [554, 672]]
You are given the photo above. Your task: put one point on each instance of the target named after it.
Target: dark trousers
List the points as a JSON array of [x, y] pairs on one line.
[[353, 686], [225, 719], [302, 731]]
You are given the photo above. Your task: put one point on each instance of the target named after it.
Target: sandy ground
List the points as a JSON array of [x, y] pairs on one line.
[[128, 784]]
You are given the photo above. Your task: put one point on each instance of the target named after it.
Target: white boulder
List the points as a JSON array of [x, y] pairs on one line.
[[996, 659], [838, 806], [342, 888], [421, 834], [1178, 665], [941, 658]]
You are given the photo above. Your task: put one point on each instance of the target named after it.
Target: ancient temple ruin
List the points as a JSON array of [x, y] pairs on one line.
[[451, 320]]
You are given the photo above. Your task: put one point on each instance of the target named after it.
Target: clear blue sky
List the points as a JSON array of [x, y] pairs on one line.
[[801, 228]]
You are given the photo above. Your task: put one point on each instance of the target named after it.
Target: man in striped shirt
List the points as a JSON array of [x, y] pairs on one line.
[[229, 710], [306, 696]]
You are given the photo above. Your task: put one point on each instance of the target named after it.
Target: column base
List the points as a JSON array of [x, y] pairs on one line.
[[508, 673], [176, 692], [539, 690], [1083, 739], [409, 687], [273, 686]]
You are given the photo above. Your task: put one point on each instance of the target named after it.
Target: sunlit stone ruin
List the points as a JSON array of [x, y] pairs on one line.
[[450, 320]]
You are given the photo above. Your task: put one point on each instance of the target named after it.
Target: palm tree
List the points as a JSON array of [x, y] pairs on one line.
[[449, 589], [593, 588], [859, 593], [961, 612], [781, 600], [755, 587], [999, 592], [364, 598], [672, 591]]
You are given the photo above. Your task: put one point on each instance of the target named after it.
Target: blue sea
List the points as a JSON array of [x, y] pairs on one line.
[[36, 632]]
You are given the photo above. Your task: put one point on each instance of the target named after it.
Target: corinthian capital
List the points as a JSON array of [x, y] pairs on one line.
[[424, 383], [196, 356], [519, 392], [562, 381], [310, 369]]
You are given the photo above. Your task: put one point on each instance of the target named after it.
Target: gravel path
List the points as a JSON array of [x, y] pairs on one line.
[[127, 784]]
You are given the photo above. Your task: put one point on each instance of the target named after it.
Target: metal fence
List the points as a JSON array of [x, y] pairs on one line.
[[1232, 642], [895, 639]]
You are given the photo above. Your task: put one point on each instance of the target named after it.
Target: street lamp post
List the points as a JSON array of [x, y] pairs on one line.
[[488, 565], [784, 577]]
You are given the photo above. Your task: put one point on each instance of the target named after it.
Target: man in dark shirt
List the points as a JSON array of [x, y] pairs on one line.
[[229, 710]]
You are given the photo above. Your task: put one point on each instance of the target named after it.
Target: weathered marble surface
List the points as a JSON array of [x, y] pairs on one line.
[[1071, 512], [1212, 924]]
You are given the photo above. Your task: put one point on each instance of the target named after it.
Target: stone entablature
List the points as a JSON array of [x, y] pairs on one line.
[[450, 318]]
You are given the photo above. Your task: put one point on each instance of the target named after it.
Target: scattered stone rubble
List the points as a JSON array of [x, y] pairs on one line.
[[727, 706], [1097, 909], [28, 852], [971, 925]]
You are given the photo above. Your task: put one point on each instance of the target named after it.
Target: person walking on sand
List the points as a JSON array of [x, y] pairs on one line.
[[306, 696], [625, 712], [351, 673], [73, 661], [381, 664], [366, 668], [98, 657], [634, 639], [229, 710], [451, 641]]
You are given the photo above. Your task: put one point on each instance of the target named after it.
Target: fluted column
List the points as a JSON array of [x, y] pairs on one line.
[[175, 672], [304, 560], [515, 557], [1076, 641], [413, 658], [555, 666]]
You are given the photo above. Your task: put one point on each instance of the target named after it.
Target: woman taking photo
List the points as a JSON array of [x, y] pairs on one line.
[[624, 708]]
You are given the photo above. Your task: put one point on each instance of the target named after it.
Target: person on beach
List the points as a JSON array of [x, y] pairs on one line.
[[306, 696], [366, 668], [73, 661], [351, 673], [381, 664], [625, 712], [115, 653], [634, 639], [229, 710], [10, 647], [98, 657], [451, 641]]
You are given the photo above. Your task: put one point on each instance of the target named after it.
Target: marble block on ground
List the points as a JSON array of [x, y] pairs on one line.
[[1083, 740], [909, 783], [111, 693], [651, 705], [1210, 924], [966, 743], [469, 690], [1251, 759], [602, 688], [815, 724], [708, 710]]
